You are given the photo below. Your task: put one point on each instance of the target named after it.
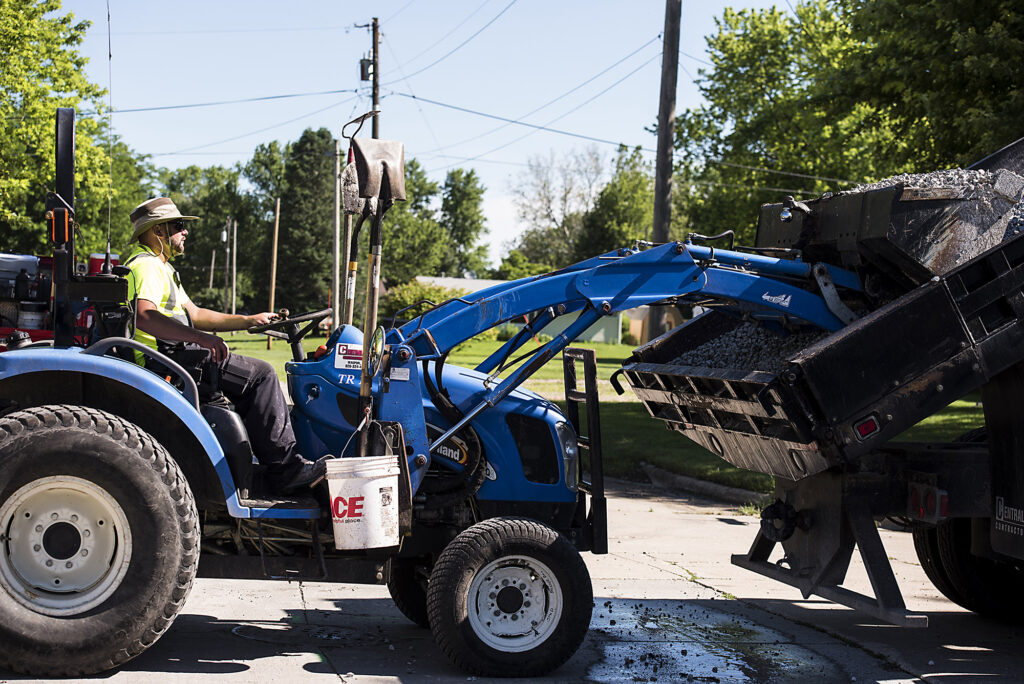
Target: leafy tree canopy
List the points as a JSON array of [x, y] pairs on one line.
[[624, 209], [462, 218], [844, 91], [516, 265], [40, 70]]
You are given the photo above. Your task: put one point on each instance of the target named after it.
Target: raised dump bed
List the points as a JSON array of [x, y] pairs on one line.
[[849, 392], [907, 229]]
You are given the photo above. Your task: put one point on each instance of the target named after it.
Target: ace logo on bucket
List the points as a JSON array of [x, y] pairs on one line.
[[350, 508]]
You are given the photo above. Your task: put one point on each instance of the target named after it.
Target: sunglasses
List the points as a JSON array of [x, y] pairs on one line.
[[175, 227]]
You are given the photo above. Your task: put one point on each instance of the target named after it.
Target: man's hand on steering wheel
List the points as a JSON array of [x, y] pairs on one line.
[[260, 319], [278, 323]]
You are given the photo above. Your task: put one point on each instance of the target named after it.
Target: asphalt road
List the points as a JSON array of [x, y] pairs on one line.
[[669, 607]]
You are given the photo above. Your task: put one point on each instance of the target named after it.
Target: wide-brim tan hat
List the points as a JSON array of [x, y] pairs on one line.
[[153, 212]]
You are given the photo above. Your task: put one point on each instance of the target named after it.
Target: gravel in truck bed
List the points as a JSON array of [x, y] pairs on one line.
[[749, 347]]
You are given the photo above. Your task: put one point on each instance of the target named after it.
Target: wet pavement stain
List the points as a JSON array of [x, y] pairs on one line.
[[673, 641]]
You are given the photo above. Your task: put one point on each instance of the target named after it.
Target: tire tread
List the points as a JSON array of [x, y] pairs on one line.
[[63, 416]]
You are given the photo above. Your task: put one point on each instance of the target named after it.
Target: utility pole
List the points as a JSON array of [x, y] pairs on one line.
[[376, 76], [351, 265], [227, 260], [213, 263], [336, 244], [234, 261], [273, 260], [666, 130]]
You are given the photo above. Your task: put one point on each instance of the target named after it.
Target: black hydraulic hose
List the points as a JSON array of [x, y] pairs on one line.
[[468, 483]]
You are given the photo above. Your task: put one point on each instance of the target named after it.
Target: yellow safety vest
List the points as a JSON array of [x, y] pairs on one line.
[[156, 281]]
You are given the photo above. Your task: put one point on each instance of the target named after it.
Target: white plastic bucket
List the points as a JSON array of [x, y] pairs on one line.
[[364, 501]]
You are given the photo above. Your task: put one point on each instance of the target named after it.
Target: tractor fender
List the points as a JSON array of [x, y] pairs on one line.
[[36, 376]]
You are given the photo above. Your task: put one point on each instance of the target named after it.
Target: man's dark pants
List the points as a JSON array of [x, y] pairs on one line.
[[252, 386]]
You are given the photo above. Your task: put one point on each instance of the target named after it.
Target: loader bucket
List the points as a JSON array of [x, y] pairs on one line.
[[837, 400]]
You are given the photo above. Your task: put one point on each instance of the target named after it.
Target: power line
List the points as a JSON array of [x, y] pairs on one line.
[[460, 45], [764, 188], [551, 102], [409, 85], [565, 114], [784, 173], [190, 150], [403, 8], [442, 38], [605, 141], [276, 29], [696, 59], [227, 102], [508, 120]]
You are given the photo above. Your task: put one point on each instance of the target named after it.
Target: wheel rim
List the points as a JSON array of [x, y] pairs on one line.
[[515, 603], [65, 545]]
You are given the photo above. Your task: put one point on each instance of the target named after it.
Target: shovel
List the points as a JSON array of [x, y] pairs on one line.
[[380, 177]]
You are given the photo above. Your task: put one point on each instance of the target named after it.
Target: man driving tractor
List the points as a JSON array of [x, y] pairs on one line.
[[168, 321]]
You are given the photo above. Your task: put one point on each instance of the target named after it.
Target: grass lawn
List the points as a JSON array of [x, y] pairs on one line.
[[630, 435]]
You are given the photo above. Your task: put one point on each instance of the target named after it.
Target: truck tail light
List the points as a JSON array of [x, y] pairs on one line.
[[927, 503], [866, 427]]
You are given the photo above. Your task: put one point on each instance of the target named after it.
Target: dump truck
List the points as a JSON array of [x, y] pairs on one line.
[[939, 317]]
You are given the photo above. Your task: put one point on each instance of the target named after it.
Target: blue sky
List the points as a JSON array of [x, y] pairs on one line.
[[505, 58]]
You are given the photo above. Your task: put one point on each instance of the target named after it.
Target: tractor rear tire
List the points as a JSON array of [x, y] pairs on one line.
[[408, 589], [99, 541], [509, 597]]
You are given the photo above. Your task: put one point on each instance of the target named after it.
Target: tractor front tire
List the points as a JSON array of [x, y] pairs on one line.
[[509, 597], [99, 541]]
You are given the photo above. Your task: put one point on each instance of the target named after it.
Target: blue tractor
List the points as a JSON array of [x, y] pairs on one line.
[[118, 486]]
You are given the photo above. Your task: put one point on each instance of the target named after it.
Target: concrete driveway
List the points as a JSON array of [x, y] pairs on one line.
[[669, 607]]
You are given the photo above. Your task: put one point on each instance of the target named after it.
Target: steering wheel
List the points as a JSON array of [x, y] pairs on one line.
[[294, 334]]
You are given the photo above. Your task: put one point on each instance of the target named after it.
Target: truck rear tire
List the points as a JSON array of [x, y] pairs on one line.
[[408, 589], [99, 541], [926, 544], [509, 597], [983, 585]]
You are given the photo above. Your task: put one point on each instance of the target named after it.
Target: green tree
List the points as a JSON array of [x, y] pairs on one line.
[[307, 223], [265, 173], [41, 70], [411, 293], [214, 194], [624, 209], [516, 265], [462, 218], [414, 242], [945, 74], [769, 127]]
